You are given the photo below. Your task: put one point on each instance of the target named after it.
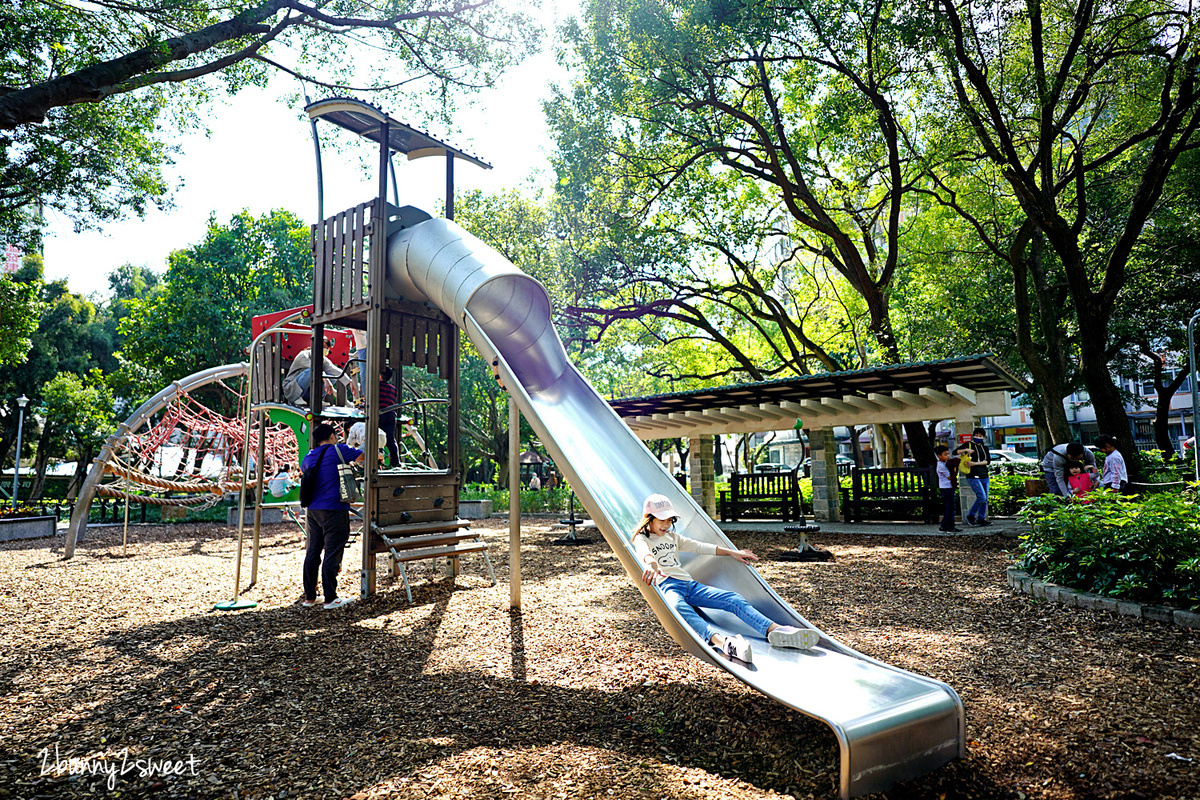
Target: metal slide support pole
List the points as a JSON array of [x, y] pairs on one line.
[[260, 473], [234, 604], [125, 533], [449, 185], [514, 504], [1191, 331]]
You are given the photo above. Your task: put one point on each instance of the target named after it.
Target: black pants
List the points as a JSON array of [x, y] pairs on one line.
[[387, 423], [948, 512], [328, 530]]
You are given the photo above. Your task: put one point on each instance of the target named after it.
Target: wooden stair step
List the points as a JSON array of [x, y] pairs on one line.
[[417, 528], [437, 552], [409, 542]]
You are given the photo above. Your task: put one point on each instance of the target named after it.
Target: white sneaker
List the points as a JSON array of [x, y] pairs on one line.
[[341, 601], [737, 647], [790, 636]]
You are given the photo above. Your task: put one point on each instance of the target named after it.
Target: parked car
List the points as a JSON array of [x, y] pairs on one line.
[[844, 463], [772, 468], [1012, 457]]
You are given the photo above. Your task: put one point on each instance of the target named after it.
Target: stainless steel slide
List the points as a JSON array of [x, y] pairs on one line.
[[892, 725]]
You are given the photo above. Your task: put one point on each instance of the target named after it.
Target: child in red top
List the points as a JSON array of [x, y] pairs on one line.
[[1079, 480]]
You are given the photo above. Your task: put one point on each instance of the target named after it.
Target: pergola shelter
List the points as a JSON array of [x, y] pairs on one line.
[[962, 389]]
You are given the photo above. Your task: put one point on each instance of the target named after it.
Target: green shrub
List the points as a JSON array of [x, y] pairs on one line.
[[1006, 495], [544, 500], [1156, 469], [1142, 549]]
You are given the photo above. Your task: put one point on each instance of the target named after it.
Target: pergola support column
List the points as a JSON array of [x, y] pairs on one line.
[[823, 449], [701, 476]]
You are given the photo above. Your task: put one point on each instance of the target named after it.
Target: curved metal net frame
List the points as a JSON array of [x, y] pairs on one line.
[[193, 454]]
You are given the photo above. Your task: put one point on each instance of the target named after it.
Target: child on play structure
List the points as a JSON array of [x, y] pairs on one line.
[[657, 545]]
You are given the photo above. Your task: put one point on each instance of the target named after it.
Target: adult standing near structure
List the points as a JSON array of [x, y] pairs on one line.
[[328, 517], [1114, 476], [1054, 464], [977, 477]]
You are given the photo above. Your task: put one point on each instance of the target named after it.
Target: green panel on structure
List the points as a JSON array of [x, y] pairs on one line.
[[299, 423]]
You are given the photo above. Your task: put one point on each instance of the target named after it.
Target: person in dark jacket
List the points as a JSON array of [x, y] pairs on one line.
[[1054, 465], [328, 518], [977, 478]]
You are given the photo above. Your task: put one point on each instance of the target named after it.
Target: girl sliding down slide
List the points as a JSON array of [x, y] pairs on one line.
[[657, 545]]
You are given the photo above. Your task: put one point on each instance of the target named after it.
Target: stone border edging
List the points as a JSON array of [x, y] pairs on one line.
[[1034, 587]]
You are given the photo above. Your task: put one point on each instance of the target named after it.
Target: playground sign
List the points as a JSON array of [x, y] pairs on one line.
[[12, 258]]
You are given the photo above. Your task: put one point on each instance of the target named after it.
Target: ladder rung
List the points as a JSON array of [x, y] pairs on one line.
[[409, 542], [436, 552], [415, 528]]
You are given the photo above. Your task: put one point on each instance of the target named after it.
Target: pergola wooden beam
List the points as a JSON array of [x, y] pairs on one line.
[[861, 403], [940, 398]]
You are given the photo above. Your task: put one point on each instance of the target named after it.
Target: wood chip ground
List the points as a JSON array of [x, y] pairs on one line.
[[581, 695]]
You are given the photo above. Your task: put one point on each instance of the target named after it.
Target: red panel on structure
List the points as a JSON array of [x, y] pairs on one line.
[[298, 337]]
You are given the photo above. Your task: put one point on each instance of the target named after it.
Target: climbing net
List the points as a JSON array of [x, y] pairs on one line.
[[189, 455]]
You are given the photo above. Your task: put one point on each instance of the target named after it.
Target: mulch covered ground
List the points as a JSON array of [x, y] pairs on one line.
[[581, 695]]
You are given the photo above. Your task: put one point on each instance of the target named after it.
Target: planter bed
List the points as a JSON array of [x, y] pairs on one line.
[[27, 528]]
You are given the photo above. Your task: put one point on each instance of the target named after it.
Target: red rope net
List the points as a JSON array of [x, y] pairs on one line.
[[191, 449]]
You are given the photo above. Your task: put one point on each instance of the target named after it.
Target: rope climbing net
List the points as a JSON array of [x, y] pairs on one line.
[[190, 455]]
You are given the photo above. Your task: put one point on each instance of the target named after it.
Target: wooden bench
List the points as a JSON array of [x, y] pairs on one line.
[[891, 493], [762, 494]]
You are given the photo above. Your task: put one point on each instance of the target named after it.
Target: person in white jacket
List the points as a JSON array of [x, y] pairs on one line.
[[657, 546]]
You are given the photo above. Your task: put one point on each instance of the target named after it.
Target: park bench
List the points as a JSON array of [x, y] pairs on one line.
[[891, 493], [761, 494]]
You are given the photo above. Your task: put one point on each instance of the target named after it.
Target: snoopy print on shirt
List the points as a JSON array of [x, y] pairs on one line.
[[664, 550]]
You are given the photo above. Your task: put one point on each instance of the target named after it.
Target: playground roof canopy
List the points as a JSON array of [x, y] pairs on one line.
[[366, 120], [950, 388]]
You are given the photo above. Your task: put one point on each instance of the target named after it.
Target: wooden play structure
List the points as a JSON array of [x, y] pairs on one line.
[[407, 514]]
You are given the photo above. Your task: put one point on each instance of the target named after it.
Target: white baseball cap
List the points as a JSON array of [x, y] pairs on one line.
[[657, 505]]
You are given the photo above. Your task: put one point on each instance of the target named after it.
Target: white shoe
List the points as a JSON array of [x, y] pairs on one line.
[[790, 636], [737, 647], [341, 601]]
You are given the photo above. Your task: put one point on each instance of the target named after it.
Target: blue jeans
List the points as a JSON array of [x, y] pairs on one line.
[[980, 487], [686, 596], [362, 374], [303, 381]]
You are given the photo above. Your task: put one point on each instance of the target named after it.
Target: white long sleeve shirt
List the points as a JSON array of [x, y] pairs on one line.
[[665, 549], [1114, 470]]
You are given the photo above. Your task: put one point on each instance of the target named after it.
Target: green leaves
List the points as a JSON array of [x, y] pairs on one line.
[[1139, 549], [19, 308], [201, 316]]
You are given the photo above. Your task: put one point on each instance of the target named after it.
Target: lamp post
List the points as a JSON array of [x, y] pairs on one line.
[[22, 401]]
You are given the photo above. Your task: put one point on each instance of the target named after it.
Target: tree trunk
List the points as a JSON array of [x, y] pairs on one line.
[[893, 447], [40, 462], [855, 447], [1106, 399], [1162, 407], [920, 443], [1045, 439]]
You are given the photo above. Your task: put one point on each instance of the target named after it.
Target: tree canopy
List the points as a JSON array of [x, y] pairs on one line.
[[89, 91], [201, 316]]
